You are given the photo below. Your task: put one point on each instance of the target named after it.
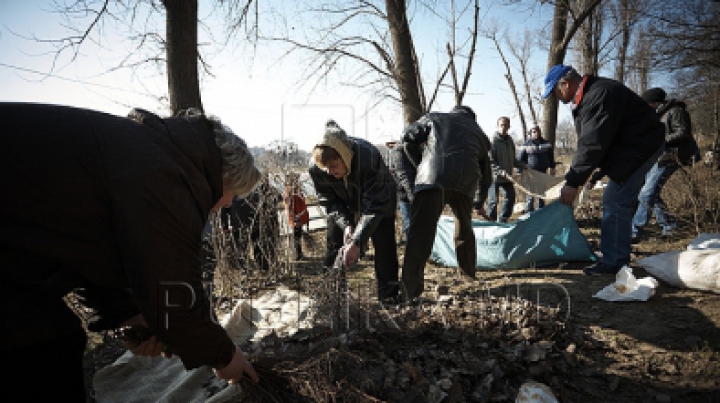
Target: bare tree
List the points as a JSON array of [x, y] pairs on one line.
[[405, 72], [382, 57], [175, 50], [521, 49], [493, 35], [560, 39], [588, 39]]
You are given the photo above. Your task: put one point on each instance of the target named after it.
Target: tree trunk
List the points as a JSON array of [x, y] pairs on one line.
[[182, 54], [556, 55], [405, 71], [624, 45]]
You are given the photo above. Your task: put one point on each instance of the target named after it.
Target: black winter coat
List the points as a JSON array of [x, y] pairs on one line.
[[109, 205], [680, 146], [538, 154], [455, 155], [617, 131], [404, 159], [369, 191]]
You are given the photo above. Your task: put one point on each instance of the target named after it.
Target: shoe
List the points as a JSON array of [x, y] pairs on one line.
[[601, 269]]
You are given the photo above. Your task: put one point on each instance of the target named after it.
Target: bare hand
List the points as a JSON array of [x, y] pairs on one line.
[[350, 254], [348, 234], [151, 347], [239, 365], [481, 212], [568, 194]]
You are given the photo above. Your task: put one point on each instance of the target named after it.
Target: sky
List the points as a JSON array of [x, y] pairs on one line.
[[253, 92]]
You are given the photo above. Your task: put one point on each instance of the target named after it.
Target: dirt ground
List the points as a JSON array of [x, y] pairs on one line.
[[666, 349]]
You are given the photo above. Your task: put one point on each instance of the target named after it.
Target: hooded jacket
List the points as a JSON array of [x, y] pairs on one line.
[[367, 190], [113, 209], [617, 131], [680, 146], [454, 155]]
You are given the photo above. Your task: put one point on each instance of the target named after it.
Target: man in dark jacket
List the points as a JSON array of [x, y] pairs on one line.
[[680, 149], [537, 153], [130, 198], [454, 168], [504, 162], [619, 133], [356, 189]]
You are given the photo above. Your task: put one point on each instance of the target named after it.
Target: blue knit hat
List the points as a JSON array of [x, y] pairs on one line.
[[553, 76]]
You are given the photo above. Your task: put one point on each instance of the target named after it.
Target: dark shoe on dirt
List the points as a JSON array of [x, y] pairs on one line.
[[601, 269]]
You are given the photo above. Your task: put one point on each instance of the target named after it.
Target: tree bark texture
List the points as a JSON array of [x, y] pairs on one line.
[[405, 71], [182, 54]]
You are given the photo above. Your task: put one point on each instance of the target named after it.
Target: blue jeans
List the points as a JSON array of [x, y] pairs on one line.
[[618, 209], [508, 189], [404, 206], [650, 200]]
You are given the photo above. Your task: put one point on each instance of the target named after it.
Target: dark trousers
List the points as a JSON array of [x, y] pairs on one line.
[[426, 210], [297, 241], [386, 261]]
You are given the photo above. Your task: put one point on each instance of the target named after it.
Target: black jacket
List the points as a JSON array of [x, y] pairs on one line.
[[455, 155], [404, 159], [108, 204], [617, 131], [680, 146], [538, 154], [369, 191]]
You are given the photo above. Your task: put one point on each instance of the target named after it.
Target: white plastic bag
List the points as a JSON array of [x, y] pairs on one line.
[[627, 288]]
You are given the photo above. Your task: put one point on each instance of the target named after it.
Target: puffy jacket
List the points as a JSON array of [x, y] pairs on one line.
[[617, 131], [455, 154], [503, 157], [368, 191], [113, 208], [537, 154], [680, 146]]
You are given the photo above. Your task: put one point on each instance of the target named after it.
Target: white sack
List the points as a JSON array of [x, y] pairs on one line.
[[696, 269], [705, 241]]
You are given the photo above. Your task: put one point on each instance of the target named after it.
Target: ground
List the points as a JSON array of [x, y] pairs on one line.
[[666, 349]]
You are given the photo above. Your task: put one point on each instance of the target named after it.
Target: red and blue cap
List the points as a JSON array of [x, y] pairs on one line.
[[553, 76]]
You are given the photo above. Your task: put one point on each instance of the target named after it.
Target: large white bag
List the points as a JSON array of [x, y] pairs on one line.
[[697, 268]]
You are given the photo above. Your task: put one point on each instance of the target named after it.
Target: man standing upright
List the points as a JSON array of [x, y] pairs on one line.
[[538, 154], [504, 160], [454, 166], [619, 133], [680, 149]]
